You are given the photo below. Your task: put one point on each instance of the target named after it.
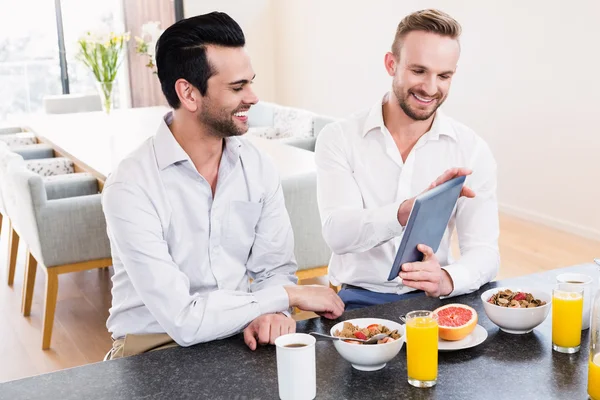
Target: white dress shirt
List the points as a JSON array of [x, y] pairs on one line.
[[362, 180], [182, 259]]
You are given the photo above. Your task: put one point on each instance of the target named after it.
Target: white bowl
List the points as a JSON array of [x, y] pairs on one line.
[[369, 357], [517, 320]]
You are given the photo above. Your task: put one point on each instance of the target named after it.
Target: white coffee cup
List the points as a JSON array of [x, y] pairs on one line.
[[584, 281], [296, 367]]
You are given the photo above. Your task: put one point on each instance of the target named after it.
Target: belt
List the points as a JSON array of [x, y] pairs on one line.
[[347, 286]]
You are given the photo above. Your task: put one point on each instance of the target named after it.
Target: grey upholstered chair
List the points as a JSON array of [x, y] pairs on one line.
[[312, 253], [72, 103], [34, 151], [46, 167], [4, 130], [63, 226]]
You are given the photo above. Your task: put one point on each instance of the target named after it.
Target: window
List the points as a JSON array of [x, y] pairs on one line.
[[29, 64], [79, 17], [30, 41]]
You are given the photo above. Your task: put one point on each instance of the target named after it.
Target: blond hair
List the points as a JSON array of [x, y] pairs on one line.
[[431, 20]]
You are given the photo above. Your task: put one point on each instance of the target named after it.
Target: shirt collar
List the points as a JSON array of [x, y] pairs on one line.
[[166, 148], [440, 125], [168, 151]]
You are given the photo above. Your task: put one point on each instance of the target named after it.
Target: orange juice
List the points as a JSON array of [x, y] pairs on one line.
[[567, 309], [422, 348], [594, 378]]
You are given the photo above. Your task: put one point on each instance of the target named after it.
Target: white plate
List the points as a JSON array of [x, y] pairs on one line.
[[476, 337]]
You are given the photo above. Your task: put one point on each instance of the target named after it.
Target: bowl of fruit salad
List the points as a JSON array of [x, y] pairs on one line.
[[516, 310], [368, 357]]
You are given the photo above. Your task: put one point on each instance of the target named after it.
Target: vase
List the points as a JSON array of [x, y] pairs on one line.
[[106, 91]]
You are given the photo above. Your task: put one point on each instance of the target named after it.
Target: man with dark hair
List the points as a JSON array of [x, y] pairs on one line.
[[201, 240], [372, 166]]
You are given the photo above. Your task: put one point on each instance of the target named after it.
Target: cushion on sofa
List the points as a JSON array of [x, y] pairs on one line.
[[293, 122], [268, 132]]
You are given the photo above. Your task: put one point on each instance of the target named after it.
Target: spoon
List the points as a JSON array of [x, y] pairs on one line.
[[372, 340], [597, 261]]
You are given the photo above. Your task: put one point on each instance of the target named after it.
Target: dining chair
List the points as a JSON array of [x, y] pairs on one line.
[[63, 226], [72, 103], [45, 167], [4, 130]]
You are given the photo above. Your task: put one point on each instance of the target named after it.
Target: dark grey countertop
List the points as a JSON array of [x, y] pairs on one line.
[[505, 366]]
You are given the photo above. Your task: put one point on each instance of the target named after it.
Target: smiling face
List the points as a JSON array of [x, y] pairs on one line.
[[229, 95], [423, 72]]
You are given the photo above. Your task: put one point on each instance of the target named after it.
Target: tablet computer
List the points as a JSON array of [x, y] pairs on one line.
[[427, 222]]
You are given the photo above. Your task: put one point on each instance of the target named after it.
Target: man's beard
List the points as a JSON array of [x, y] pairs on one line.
[[410, 112], [221, 124]]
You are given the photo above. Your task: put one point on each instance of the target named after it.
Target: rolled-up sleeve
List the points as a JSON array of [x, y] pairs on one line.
[[136, 234]]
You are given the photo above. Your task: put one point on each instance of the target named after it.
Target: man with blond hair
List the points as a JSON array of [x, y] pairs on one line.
[[373, 165]]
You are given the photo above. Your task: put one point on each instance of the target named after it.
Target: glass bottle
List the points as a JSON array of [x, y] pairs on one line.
[[594, 356]]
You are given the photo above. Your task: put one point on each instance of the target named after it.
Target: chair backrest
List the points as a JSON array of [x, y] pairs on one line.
[[34, 151], [7, 130], [6, 156], [72, 103], [300, 193], [3, 151], [22, 190]]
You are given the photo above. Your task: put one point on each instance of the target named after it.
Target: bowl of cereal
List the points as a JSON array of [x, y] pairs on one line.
[[368, 357], [516, 310]]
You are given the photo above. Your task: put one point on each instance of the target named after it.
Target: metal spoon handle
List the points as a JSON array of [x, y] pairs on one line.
[[597, 261], [322, 336]]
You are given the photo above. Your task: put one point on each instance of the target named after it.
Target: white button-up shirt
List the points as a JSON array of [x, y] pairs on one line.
[[362, 180], [182, 259]]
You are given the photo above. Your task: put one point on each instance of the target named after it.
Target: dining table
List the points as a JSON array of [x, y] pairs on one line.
[[504, 366], [97, 142]]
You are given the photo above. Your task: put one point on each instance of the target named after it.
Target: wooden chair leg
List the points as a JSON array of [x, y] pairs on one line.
[[13, 249], [28, 284], [49, 306]]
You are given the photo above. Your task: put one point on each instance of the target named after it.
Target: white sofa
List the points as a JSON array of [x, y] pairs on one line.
[[298, 128], [293, 126]]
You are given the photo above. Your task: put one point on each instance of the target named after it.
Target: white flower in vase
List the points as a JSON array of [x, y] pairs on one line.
[[146, 44]]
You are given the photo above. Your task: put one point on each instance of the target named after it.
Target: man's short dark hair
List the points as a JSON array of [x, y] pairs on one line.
[[181, 51]]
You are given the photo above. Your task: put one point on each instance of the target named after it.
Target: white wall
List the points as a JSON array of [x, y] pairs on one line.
[[528, 82], [257, 21]]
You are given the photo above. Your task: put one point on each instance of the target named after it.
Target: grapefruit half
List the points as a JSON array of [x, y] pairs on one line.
[[456, 321]]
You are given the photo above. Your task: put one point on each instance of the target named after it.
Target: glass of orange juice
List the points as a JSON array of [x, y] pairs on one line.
[[422, 348], [594, 376], [567, 311]]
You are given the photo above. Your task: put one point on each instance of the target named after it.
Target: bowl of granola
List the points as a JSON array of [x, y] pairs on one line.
[[368, 357], [516, 310]]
